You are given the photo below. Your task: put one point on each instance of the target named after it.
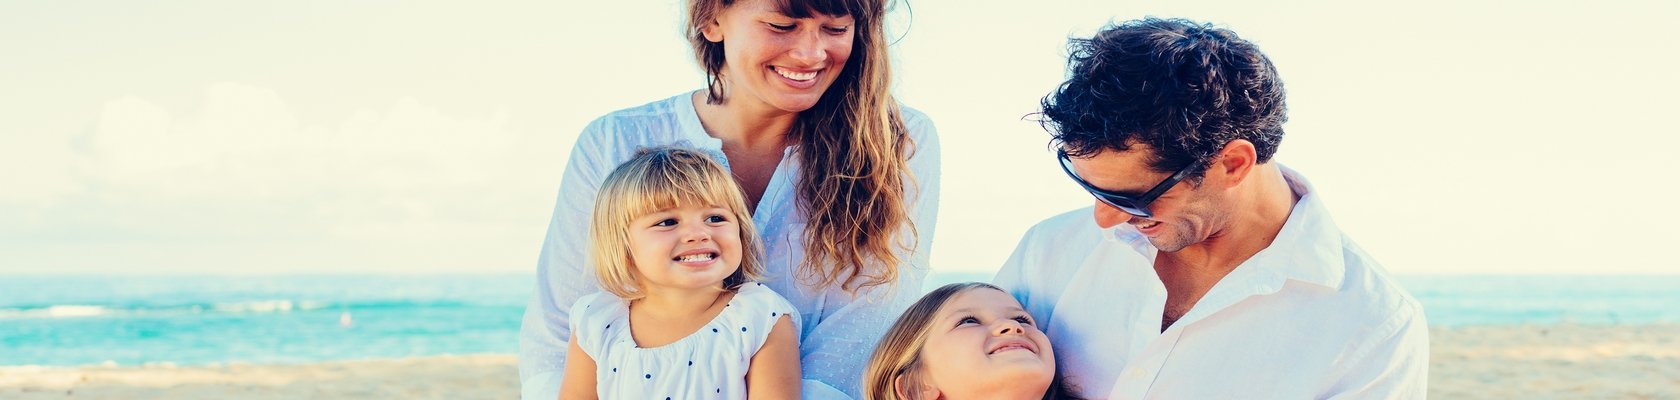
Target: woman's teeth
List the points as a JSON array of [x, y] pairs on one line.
[[798, 76]]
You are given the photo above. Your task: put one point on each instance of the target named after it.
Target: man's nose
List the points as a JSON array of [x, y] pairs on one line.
[[1107, 216]]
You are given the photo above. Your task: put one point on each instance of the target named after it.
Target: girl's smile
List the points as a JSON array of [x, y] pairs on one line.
[[981, 339], [690, 246]]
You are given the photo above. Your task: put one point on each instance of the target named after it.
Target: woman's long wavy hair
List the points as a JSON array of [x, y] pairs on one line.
[[852, 145]]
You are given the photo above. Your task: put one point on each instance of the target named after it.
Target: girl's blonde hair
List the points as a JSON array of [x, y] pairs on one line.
[[853, 149], [658, 179], [899, 354]]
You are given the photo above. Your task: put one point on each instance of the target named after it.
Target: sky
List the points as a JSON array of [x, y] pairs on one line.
[[312, 136]]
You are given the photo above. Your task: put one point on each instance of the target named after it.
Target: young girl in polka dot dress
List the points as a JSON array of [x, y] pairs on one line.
[[680, 318]]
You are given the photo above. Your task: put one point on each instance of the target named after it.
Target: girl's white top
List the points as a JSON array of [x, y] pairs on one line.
[[838, 331], [710, 363]]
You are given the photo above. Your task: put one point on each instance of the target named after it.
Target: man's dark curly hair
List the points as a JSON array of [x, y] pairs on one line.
[[1183, 88]]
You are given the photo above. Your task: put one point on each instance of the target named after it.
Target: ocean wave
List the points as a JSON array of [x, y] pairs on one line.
[[272, 306], [57, 311], [264, 306]]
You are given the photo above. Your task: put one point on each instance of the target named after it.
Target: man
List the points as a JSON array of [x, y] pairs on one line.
[[1208, 271]]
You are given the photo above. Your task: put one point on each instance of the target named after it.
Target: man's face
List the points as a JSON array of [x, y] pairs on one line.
[[1186, 214]]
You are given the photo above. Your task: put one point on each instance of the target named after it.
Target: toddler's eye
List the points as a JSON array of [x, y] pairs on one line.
[[967, 320], [1024, 320], [717, 219], [666, 222]]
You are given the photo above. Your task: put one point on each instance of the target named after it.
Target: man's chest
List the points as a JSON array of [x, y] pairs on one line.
[[1107, 341]]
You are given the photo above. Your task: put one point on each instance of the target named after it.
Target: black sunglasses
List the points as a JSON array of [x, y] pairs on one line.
[[1138, 206]]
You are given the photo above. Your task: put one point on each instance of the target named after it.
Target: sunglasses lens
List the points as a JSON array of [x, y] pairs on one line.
[[1125, 204]]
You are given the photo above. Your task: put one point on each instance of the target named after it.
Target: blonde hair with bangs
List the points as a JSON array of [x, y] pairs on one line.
[[659, 179]]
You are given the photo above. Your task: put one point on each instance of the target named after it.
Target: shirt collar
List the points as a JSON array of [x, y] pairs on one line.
[[694, 135], [1307, 249]]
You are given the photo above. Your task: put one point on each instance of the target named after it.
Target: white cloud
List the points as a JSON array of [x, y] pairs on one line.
[[242, 172], [371, 141]]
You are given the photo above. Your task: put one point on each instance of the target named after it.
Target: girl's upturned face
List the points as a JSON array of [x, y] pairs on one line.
[[688, 247], [984, 345], [774, 61]]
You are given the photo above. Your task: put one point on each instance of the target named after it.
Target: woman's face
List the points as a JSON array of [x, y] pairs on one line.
[[983, 345], [774, 62]]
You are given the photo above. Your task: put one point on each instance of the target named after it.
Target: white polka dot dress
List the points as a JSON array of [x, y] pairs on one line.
[[710, 363]]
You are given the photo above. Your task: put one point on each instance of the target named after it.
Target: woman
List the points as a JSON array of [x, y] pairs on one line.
[[843, 182]]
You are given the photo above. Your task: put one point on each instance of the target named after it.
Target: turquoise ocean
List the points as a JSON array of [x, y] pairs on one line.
[[82, 320]]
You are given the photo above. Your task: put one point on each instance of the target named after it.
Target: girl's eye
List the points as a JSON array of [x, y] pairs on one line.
[[967, 320], [717, 219], [666, 222], [780, 27], [1024, 320], [837, 29]]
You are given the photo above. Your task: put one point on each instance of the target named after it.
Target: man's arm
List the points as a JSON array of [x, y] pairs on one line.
[[1394, 366]]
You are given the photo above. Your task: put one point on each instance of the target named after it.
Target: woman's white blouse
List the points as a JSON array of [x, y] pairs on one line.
[[838, 330], [710, 363]]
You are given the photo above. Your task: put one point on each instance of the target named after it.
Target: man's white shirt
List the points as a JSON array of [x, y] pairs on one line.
[[1310, 316]]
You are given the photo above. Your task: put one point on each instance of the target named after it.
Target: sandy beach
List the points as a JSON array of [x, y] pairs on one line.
[[444, 377], [1528, 362], [1555, 362]]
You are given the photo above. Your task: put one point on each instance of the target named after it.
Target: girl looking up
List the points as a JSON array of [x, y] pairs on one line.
[[964, 341], [681, 317]]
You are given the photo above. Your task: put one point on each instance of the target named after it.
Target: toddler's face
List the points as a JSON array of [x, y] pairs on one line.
[[688, 247], [982, 343]]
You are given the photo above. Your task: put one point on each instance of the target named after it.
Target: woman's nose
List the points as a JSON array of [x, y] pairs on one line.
[[809, 48]]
